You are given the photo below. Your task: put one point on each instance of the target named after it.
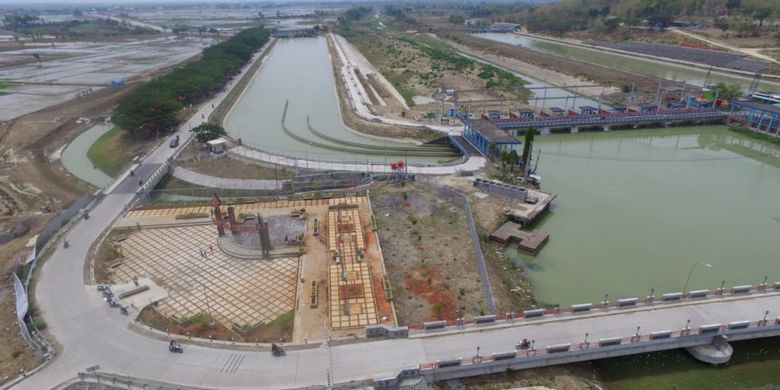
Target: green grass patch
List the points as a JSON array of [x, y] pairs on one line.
[[192, 216], [399, 82], [199, 319], [756, 135], [103, 156], [5, 84]]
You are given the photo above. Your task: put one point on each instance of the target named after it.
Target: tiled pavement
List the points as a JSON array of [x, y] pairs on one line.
[[247, 207], [239, 291], [350, 293]]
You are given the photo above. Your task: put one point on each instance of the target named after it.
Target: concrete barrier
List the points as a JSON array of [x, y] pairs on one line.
[[741, 289], [583, 307], [710, 328], [670, 297], [382, 330], [558, 348], [698, 294], [488, 319], [625, 302], [431, 325], [664, 334], [132, 292], [533, 313], [738, 325], [504, 355], [447, 363], [610, 341]]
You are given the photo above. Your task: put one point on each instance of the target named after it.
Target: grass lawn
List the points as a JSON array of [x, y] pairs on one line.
[[115, 149], [756, 135], [754, 365]]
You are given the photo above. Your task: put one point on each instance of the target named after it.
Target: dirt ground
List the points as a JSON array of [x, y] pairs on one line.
[[276, 331], [766, 38], [235, 169], [428, 255]]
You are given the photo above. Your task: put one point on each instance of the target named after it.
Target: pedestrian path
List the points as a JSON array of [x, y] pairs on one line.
[[226, 183]]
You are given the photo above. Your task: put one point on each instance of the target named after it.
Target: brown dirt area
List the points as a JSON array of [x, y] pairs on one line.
[[273, 332], [428, 255], [235, 169], [357, 123]]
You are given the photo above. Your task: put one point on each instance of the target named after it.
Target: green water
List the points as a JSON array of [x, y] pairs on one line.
[[636, 209], [754, 365], [299, 71]]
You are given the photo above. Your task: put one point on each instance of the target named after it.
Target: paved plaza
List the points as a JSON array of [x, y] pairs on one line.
[[245, 292], [351, 294]]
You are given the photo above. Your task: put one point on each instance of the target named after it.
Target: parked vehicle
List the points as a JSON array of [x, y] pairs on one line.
[[175, 347], [277, 350]]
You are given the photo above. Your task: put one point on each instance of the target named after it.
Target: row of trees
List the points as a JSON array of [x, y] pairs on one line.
[[153, 107]]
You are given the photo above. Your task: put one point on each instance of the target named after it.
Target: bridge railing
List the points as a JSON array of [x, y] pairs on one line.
[[586, 350], [611, 118], [599, 307]]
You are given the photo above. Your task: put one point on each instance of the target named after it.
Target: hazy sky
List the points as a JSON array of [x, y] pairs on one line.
[[23, 3]]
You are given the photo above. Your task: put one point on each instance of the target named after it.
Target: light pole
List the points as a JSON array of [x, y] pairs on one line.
[[690, 273]]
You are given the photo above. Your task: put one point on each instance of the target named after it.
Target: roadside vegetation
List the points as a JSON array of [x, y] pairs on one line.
[[31, 26], [153, 107], [113, 150]]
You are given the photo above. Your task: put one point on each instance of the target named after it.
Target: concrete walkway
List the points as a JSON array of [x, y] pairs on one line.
[[471, 164], [226, 183]]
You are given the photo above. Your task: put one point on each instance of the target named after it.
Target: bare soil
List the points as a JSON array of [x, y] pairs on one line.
[[428, 255], [765, 39], [279, 330]]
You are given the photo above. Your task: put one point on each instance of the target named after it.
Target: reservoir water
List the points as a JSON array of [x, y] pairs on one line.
[[636, 209], [667, 70], [299, 71]]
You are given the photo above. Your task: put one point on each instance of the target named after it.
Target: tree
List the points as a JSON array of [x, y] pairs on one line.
[[728, 91], [777, 37], [457, 19], [529, 140], [208, 131], [505, 159], [762, 13], [721, 23], [514, 158], [733, 5]]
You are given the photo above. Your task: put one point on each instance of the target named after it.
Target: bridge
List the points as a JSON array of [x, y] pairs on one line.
[[606, 120], [98, 343]]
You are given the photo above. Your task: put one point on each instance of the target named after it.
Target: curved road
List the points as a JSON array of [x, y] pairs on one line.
[[90, 333]]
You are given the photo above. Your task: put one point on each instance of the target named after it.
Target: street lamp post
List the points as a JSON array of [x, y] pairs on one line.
[[690, 273]]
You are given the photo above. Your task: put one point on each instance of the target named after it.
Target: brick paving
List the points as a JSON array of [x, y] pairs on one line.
[[351, 295], [245, 292]]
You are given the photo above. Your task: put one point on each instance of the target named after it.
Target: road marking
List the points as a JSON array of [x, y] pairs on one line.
[[232, 363]]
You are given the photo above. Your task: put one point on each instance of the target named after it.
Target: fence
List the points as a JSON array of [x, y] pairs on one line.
[[601, 307]]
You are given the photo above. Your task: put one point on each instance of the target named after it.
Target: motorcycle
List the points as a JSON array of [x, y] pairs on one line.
[[65, 244], [277, 350], [175, 347], [525, 344]]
